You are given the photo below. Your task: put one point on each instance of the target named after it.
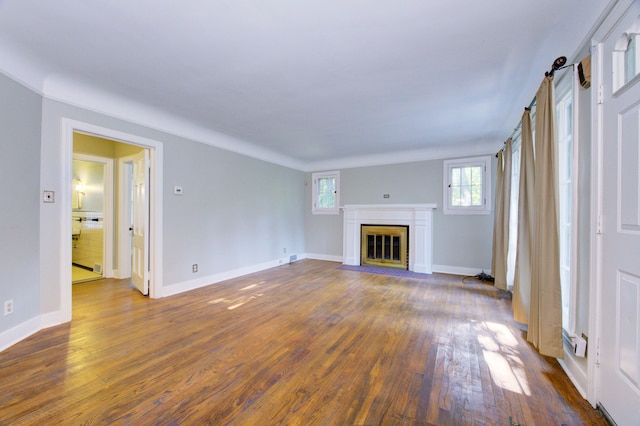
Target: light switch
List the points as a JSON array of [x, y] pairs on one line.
[[177, 190]]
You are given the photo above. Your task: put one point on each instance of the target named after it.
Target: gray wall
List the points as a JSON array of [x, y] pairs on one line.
[[236, 211], [20, 116], [459, 241]]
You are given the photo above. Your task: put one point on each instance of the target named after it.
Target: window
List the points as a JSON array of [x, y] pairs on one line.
[[514, 197], [564, 111], [467, 184], [626, 58], [630, 59], [326, 199]]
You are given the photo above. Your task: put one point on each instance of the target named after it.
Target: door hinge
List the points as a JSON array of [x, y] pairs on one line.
[[599, 225], [600, 99], [598, 353]]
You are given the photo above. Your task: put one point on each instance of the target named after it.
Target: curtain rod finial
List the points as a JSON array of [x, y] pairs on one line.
[[557, 64]]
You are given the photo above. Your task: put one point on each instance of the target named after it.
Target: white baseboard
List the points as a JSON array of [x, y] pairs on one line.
[[20, 332], [460, 270], [52, 319], [574, 371], [26, 329], [223, 276], [326, 257], [445, 269]]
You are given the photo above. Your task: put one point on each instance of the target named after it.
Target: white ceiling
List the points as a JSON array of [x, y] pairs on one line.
[[308, 84]]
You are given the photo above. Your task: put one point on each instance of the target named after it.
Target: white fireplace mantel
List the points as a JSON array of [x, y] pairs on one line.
[[418, 217]]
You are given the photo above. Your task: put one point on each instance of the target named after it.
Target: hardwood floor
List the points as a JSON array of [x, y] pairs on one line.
[[305, 343]]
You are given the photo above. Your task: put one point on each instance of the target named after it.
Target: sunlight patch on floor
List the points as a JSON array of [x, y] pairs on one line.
[[237, 302], [249, 287], [500, 352]]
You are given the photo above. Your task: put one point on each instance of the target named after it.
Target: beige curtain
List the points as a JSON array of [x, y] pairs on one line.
[[497, 260], [506, 209], [501, 217], [522, 274], [545, 315]]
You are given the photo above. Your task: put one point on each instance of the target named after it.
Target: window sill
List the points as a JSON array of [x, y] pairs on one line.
[[466, 212], [325, 212]]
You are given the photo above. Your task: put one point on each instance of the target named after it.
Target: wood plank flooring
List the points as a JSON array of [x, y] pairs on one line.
[[305, 343]]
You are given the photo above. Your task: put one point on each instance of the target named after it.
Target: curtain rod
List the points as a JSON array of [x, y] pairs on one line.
[[558, 64]]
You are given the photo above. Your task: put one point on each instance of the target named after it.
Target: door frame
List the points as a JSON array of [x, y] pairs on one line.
[[69, 127], [107, 209]]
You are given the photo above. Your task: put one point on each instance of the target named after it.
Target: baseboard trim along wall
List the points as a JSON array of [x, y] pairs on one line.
[[20, 332], [574, 371], [444, 269], [223, 276], [327, 257], [460, 270]]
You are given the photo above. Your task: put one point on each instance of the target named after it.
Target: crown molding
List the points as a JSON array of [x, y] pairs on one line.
[[71, 92], [62, 89], [438, 152]]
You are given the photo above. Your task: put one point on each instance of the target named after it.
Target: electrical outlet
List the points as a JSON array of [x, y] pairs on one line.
[[49, 196], [284, 250], [8, 307], [194, 268]]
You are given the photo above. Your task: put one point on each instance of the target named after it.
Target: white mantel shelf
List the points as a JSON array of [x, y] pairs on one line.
[[418, 217]]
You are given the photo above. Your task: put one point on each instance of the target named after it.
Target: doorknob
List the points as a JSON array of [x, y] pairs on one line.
[[131, 228]]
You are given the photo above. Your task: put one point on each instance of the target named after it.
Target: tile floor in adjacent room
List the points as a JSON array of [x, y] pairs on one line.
[[80, 275]]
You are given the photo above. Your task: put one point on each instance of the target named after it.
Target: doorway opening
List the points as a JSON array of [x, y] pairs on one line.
[[73, 134], [97, 201]]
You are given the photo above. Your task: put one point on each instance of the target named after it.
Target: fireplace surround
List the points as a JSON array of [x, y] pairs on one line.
[[418, 217]]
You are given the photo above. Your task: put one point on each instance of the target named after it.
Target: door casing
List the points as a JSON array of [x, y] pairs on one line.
[[69, 127]]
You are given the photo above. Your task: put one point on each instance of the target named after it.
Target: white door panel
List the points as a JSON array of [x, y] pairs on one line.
[[619, 347], [140, 237]]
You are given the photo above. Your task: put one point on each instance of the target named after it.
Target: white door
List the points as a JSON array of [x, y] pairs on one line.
[[618, 388], [140, 234]]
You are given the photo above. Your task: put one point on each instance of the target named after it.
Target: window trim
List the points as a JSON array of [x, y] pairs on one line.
[[568, 89], [314, 192], [485, 162]]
